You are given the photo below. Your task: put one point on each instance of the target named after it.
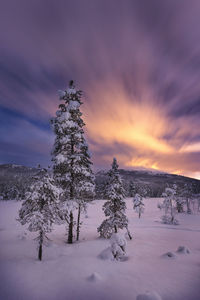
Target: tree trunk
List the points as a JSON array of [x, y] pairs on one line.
[[70, 231], [188, 206], [129, 234], [78, 222], [178, 207], [172, 213], [40, 245]]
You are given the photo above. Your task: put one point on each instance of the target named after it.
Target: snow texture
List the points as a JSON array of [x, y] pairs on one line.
[[64, 270], [94, 277], [149, 296], [169, 255], [106, 254], [183, 250]]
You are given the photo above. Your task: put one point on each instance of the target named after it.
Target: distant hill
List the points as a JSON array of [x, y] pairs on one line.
[[16, 179], [153, 181]]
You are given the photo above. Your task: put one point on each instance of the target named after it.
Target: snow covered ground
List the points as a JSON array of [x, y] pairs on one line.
[[73, 272]]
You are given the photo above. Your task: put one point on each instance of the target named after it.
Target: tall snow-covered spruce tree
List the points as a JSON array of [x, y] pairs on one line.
[[40, 207], [115, 207], [71, 158]]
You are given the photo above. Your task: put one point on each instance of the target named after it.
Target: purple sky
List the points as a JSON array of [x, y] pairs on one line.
[[138, 63]]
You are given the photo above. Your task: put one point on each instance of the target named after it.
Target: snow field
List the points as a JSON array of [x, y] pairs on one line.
[[76, 272]]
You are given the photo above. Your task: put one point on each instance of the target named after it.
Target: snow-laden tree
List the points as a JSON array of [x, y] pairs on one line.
[[179, 204], [138, 204], [169, 205], [86, 187], [115, 207], [187, 194], [132, 189], [70, 155], [40, 207]]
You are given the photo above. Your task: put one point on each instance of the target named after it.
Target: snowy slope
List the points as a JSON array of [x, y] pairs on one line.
[[75, 272]]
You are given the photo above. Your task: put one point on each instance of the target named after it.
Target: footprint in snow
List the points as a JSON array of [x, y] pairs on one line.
[[183, 250], [169, 255]]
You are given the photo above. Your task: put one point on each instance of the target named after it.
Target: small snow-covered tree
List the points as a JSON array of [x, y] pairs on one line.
[[187, 194], [115, 207], [138, 204], [179, 204], [72, 166], [132, 189], [40, 207], [169, 206]]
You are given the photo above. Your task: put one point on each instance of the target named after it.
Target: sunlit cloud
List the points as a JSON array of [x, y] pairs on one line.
[[115, 117], [195, 147]]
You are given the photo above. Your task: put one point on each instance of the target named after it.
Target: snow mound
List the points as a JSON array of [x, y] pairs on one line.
[[183, 250], [118, 239], [94, 277], [106, 254], [149, 296], [169, 255], [118, 246]]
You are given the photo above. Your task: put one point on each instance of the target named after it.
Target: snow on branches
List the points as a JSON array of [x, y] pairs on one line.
[[71, 158], [169, 205], [40, 207], [115, 207], [138, 204]]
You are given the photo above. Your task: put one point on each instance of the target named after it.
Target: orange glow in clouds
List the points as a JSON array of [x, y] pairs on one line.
[[140, 126]]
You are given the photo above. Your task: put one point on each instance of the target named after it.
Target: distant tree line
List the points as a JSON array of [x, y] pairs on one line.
[[153, 190]]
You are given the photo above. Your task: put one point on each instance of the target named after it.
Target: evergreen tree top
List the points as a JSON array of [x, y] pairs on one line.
[[115, 165], [70, 94]]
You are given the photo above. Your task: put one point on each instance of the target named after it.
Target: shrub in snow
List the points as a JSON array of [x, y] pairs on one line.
[[138, 204], [115, 207], [40, 208], [72, 165], [183, 250], [149, 296], [169, 206]]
